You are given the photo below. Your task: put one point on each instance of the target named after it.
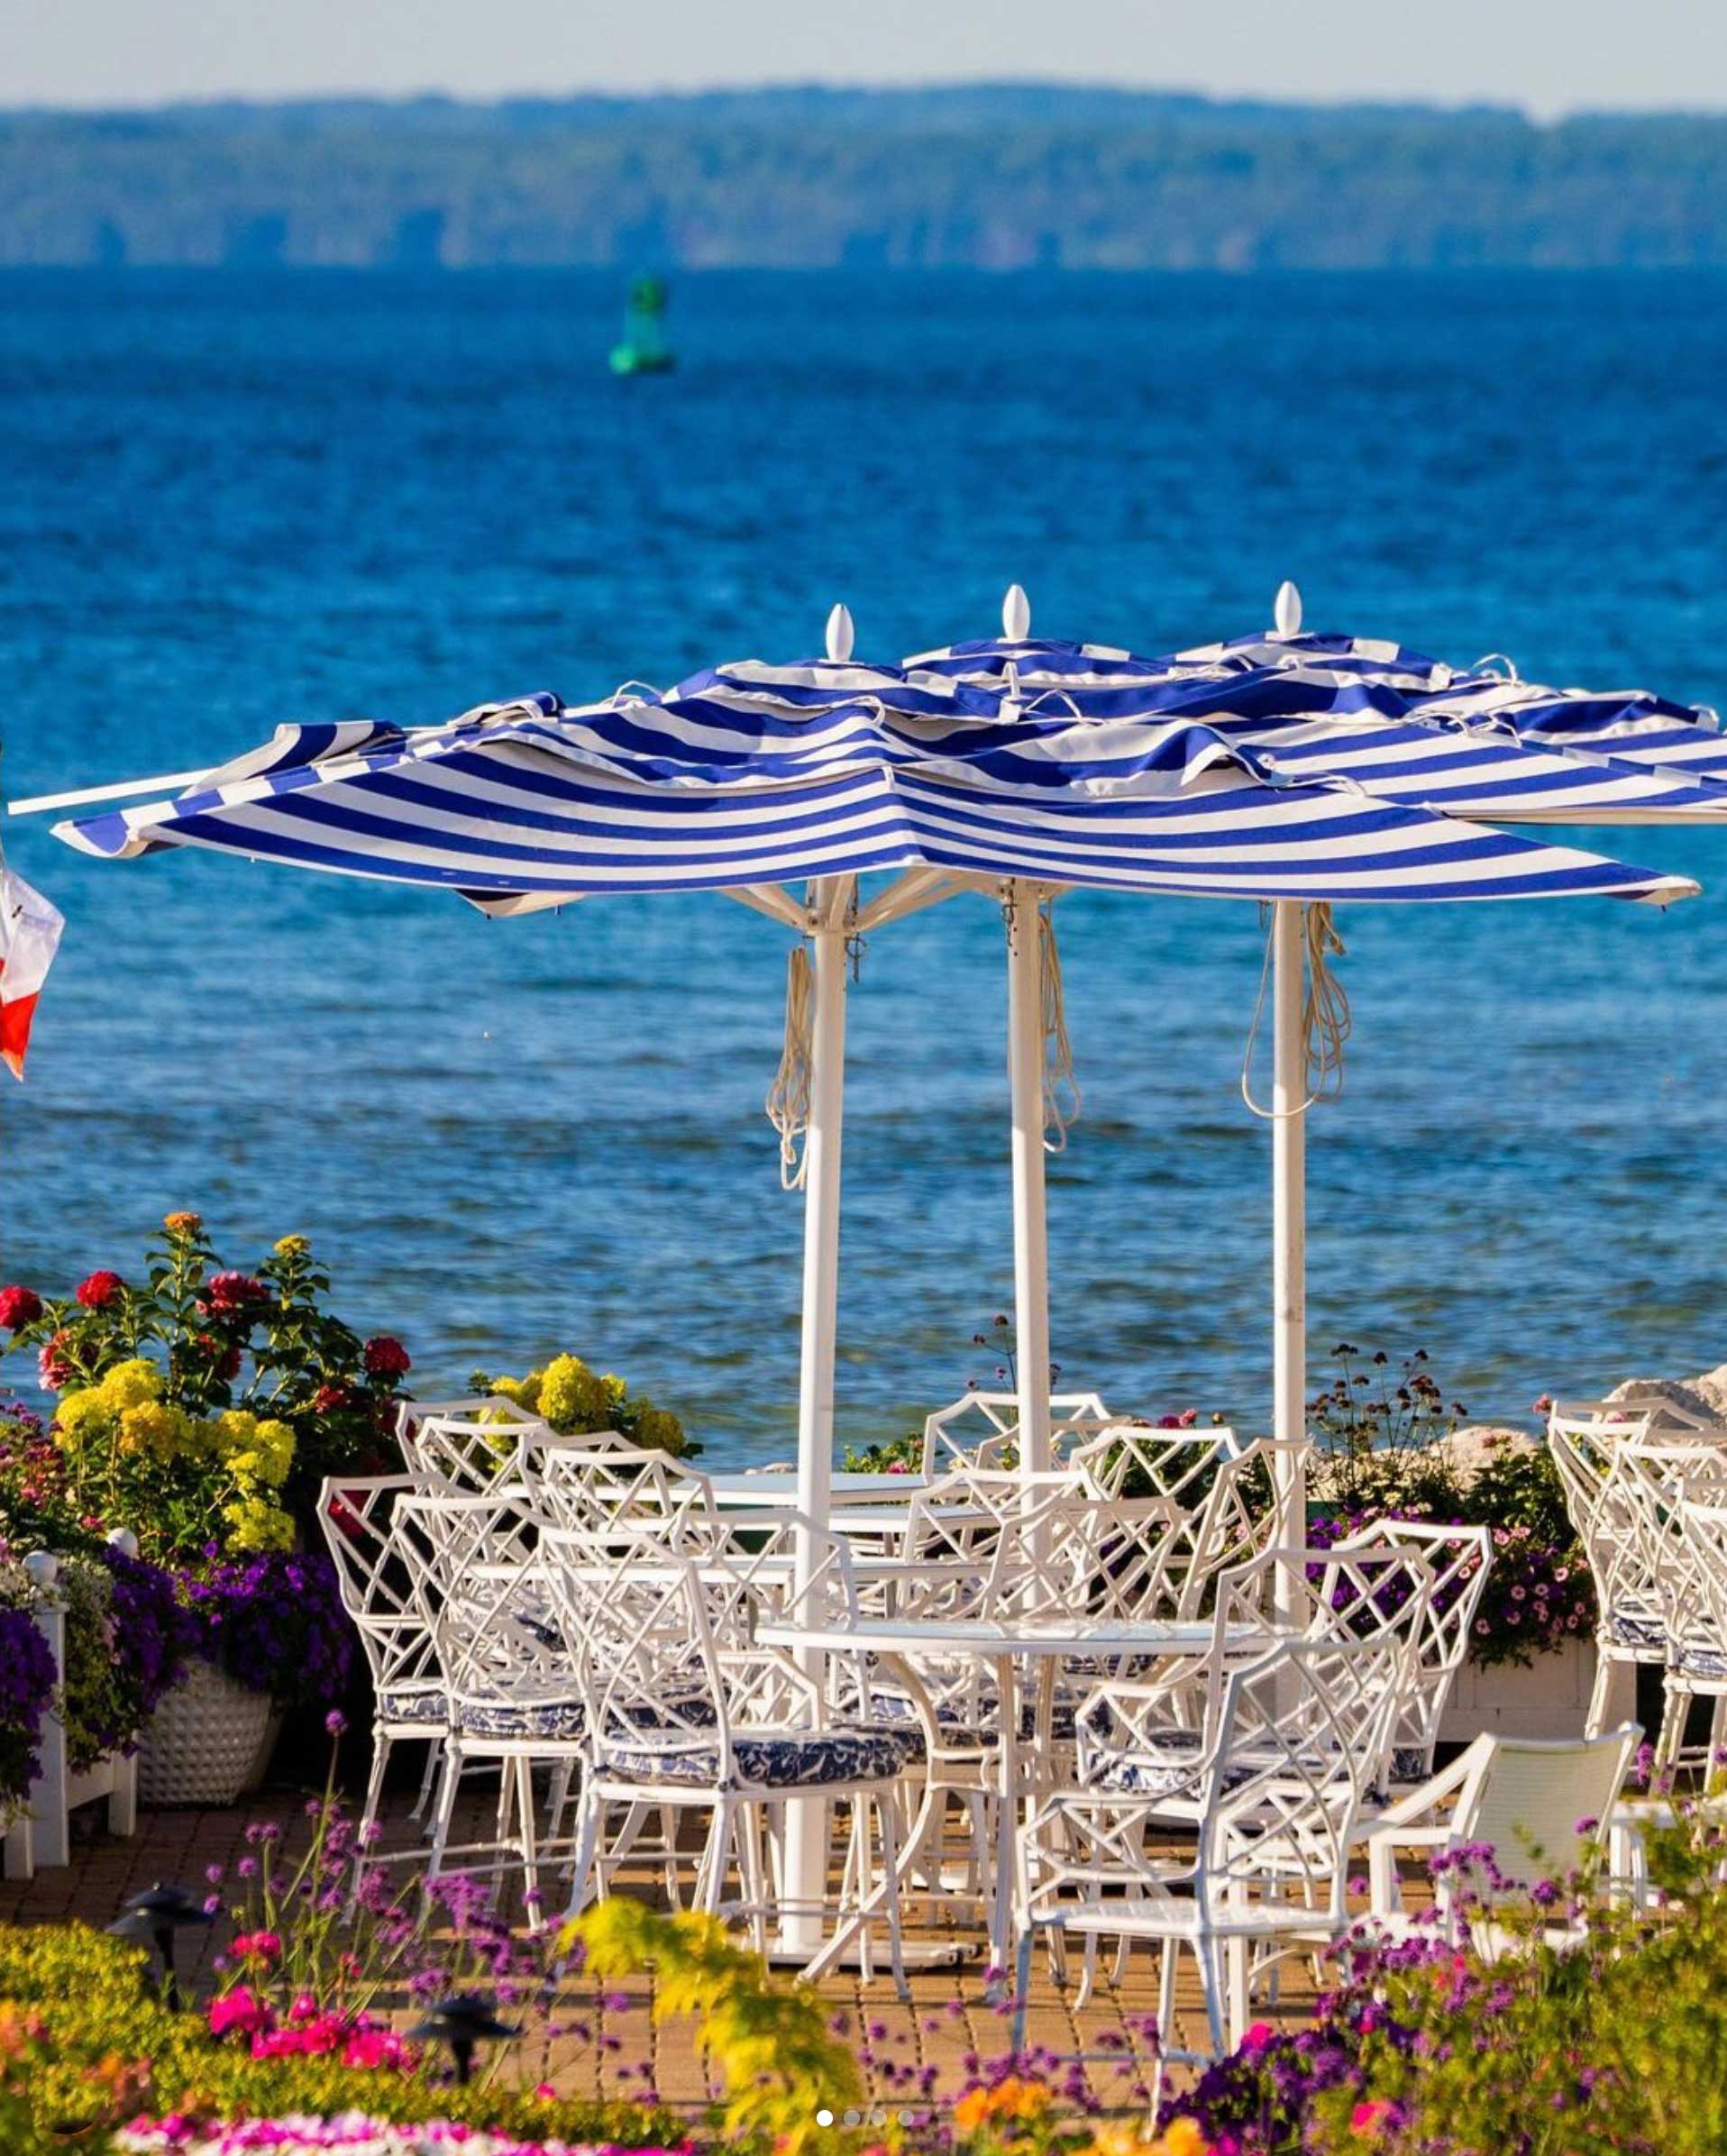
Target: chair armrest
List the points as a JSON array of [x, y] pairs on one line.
[[1384, 1840]]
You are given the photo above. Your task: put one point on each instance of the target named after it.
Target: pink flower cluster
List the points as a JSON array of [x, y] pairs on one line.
[[308, 2031]]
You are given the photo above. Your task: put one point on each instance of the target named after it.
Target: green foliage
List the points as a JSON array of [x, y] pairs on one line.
[[897, 1456], [767, 2039]]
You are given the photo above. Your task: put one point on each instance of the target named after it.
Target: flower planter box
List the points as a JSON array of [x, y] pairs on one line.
[[1548, 1699], [207, 1744], [43, 1835]]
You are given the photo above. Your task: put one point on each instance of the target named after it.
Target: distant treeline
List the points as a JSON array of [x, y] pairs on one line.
[[995, 176]]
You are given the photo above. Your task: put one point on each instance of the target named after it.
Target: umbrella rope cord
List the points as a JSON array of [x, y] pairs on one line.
[[787, 1100], [1325, 1015], [1063, 1100]]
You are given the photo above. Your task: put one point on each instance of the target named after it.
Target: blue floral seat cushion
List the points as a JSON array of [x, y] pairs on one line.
[[893, 1711], [1162, 1768], [412, 1702], [791, 1760], [1706, 1662], [557, 1721], [1635, 1627]]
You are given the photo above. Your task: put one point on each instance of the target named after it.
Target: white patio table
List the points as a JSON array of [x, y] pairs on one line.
[[1007, 1644]]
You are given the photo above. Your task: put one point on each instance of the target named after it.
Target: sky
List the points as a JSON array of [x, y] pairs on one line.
[[1547, 55]]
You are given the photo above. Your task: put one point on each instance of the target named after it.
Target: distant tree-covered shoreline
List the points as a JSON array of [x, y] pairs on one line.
[[998, 176]]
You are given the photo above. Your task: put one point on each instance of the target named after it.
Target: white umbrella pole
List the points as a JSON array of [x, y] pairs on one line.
[[1030, 1227], [1289, 1208], [806, 1847]]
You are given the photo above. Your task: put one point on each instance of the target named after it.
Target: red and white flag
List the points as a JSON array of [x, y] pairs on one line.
[[29, 935]]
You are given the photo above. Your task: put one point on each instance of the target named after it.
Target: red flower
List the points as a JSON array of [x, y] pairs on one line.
[[19, 1306], [327, 1399], [387, 1357], [226, 1358], [52, 1367], [233, 1293], [100, 1290]]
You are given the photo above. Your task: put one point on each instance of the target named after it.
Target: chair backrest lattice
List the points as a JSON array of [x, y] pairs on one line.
[[1138, 1459], [1239, 1518], [632, 1489], [981, 1429], [477, 1584], [465, 1446]]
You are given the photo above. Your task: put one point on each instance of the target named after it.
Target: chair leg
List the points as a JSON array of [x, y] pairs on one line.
[[1234, 1957], [1614, 1694], [1088, 1972], [1676, 1706], [585, 1871], [449, 1780], [887, 1807], [1208, 1953], [428, 1778], [1021, 1992], [527, 1841]]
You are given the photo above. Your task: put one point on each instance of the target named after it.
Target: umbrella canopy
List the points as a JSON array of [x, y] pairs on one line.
[[534, 803]]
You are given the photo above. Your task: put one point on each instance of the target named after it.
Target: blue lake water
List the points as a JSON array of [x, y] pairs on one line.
[[224, 502]]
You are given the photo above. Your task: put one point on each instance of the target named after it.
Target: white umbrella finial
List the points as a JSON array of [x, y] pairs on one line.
[[839, 633], [1286, 611], [1015, 615]]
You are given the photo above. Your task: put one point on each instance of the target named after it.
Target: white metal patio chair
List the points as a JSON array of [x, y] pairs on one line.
[[1698, 1634], [1648, 1568], [1631, 1622], [482, 1592], [686, 1711], [1276, 1779], [1544, 1808], [409, 1701], [1460, 1558]]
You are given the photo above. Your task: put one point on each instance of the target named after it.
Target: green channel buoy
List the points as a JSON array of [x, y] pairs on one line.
[[643, 349]]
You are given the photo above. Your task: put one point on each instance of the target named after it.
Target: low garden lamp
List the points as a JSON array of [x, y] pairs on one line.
[[463, 2022], [152, 1918]]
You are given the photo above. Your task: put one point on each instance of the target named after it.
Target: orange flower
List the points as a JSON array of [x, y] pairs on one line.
[[183, 1223], [1013, 2101]]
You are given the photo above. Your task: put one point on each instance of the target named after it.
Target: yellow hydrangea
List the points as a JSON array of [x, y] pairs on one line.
[[130, 1384], [153, 1427], [79, 1416], [292, 1246], [656, 1428], [255, 1450], [572, 1397], [255, 1524], [524, 1391]]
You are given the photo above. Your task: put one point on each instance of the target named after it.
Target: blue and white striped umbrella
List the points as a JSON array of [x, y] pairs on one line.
[[1632, 726], [751, 777]]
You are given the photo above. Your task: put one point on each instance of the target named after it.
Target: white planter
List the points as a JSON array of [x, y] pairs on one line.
[[41, 1833], [1548, 1699], [207, 1742]]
